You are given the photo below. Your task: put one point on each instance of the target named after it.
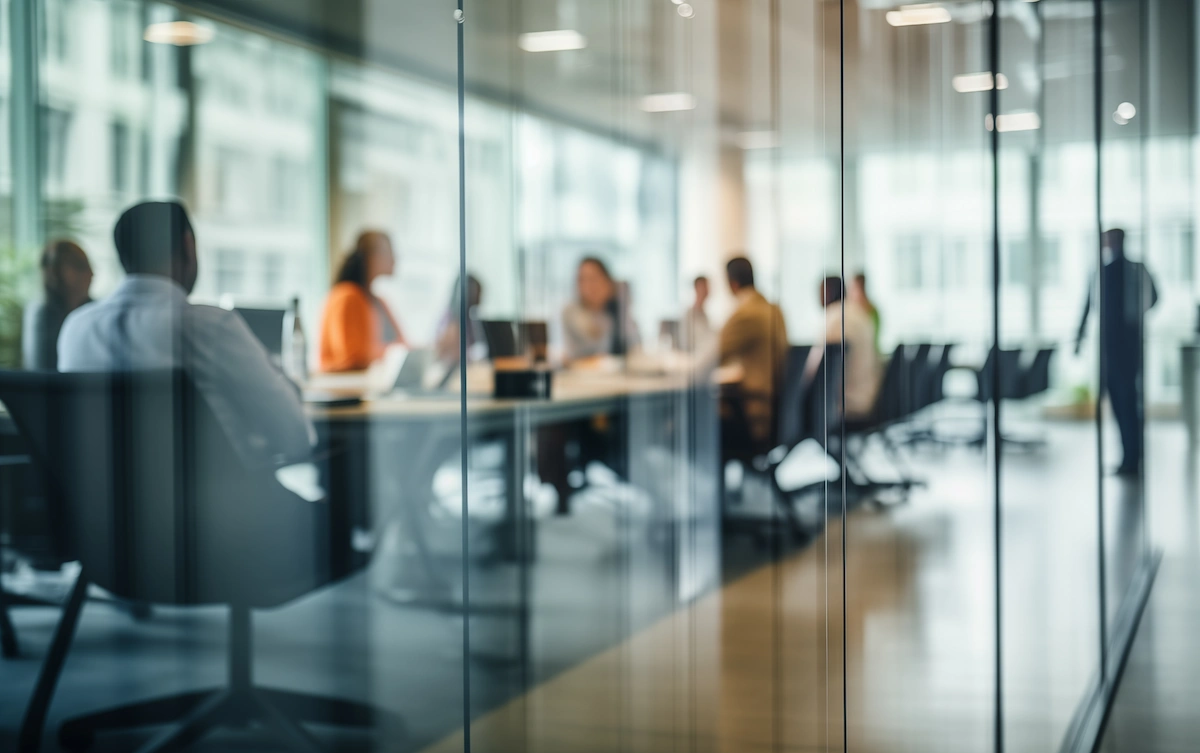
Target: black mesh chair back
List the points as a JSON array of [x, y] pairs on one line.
[[148, 493], [916, 376], [1037, 377], [1011, 376], [793, 410], [893, 390], [938, 373]]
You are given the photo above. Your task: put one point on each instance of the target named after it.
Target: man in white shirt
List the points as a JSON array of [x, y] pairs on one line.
[[148, 324], [863, 370], [698, 334]]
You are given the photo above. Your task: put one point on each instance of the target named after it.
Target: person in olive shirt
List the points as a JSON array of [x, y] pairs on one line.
[[858, 297], [755, 339]]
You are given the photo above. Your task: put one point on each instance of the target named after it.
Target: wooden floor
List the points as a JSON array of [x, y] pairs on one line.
[[758, 666], [1156, 706]]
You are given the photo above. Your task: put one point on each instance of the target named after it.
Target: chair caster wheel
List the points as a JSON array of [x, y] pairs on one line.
[[74, 739]]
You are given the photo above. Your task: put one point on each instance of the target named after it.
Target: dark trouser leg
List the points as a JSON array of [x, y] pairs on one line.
[[552, 462], [1123, 396]]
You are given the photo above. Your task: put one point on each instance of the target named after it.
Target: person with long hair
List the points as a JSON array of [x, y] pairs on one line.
[[358, 326], [66, 282], [598, 321], [450, 328]]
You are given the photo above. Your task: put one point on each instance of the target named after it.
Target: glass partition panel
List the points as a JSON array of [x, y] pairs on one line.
[[917, 322], [588, 374], [592, 470], [246, 210], [1047, 437]]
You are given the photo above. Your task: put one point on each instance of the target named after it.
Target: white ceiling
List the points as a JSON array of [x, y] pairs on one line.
[[897, 80]]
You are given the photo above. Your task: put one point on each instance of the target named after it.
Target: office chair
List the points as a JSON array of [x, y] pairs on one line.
[[893, 404], [1014, 383], [1037, 376], [154, 502], [799, 413], [26, 539]]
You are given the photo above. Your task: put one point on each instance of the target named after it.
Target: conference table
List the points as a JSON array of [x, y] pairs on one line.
[[391, 445]]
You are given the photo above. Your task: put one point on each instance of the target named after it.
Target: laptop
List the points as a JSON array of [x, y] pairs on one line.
[[535, 337], [501, 339], [405, 369], [267, 326]]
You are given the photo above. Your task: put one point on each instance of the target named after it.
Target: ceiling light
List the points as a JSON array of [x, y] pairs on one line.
[[1015, 121], [1126, 110], [978, 82], [668, 102], [686, 10], [178, 33], [551, 41], [757, 139], [918, 15]]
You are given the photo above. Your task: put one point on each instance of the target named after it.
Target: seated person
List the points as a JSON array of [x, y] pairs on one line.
[[598, 322], [449, 327], [358, 326], [857, 296], [66, 280], [863, 371], [698, 334], [755, 339], [148, 324]]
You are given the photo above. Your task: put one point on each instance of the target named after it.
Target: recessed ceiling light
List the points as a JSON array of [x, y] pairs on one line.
[[1026, 120], [686, 10], [551, 41], [758, 139], [178, 33], [978, 82], [918, 15], [1126, 110], [668, 102]]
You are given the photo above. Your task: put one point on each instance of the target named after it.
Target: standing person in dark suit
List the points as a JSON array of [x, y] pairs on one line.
[[1128, 292]]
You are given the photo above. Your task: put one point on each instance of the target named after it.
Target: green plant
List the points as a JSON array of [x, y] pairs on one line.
[[18, 270], [18, 283]]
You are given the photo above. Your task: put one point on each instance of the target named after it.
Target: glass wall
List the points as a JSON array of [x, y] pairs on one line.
[[587, 375]]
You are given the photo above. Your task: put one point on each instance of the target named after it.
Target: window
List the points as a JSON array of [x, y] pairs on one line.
[[956, 264], [122, 55], [1050, 261], [273, 272], [231, 271], [119, 135], [56, 140], [235, 182], [1185, 245], [910, 262], [288, 193], [1016, 261], [58, 23]]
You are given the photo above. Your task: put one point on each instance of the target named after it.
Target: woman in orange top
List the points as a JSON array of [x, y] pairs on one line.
[[358, 326]]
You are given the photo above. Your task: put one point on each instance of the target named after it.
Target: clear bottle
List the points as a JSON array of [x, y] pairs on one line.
[[295, 354]]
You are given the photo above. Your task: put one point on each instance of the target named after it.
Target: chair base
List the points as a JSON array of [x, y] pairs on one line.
[[196, 714]]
